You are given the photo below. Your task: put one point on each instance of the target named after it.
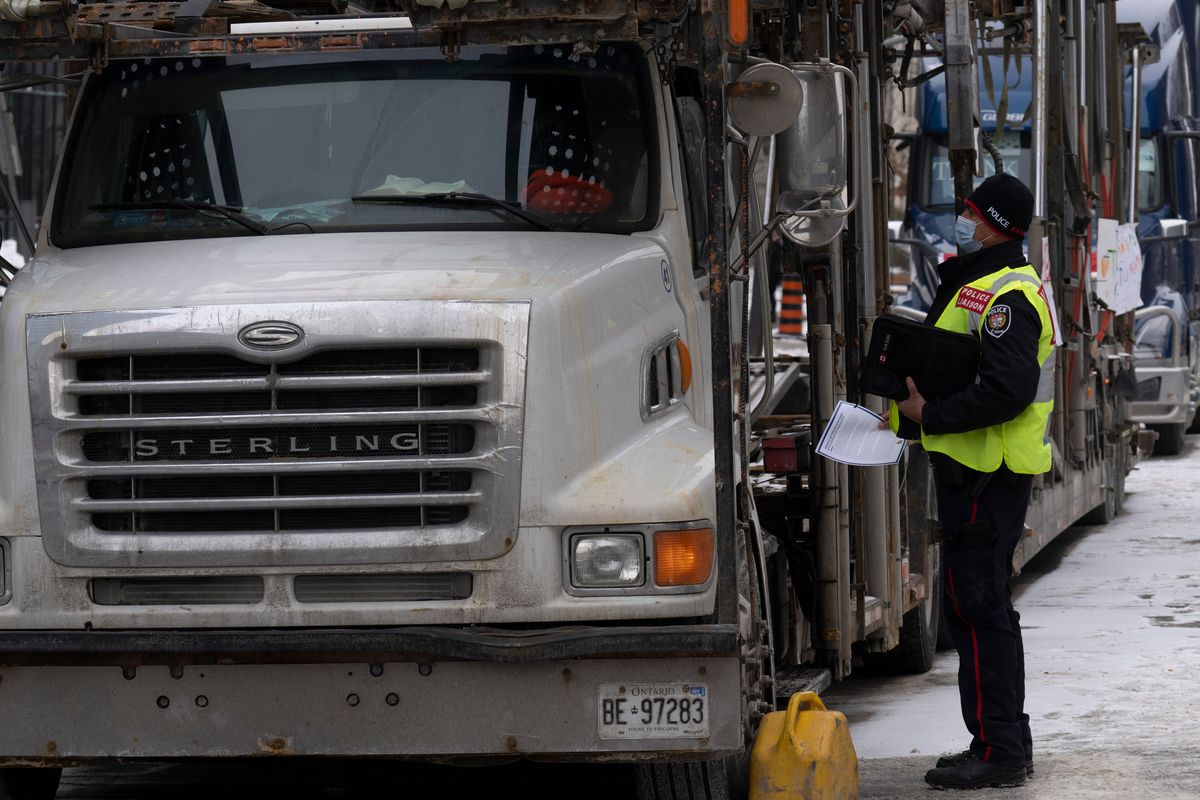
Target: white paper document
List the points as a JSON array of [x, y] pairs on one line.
[[853, 436]]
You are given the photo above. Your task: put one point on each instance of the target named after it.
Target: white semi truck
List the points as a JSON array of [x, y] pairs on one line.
[[380, 383]]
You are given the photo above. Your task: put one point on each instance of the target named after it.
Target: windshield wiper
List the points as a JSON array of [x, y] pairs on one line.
[[231, 213], [459, 199]]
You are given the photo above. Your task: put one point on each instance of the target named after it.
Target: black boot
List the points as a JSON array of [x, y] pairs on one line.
[[974, 773], [956, 759]]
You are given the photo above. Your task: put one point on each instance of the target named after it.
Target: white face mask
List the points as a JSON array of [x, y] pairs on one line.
[[964, 235]]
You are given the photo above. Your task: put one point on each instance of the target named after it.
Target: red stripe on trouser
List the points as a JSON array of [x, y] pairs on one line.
[[974, 644]]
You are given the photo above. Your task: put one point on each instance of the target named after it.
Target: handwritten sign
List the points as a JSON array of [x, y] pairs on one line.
[[1117, 269]]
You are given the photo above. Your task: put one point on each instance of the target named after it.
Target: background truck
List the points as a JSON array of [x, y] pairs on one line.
[[1166, 347], [929, 212], [380, 384]]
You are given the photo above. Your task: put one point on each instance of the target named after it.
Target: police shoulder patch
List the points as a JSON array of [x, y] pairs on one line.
[[999, 317]]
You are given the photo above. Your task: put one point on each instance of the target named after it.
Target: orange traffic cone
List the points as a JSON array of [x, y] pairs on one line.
[[791, 308]]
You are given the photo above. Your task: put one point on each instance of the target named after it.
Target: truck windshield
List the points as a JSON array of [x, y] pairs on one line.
[[1014, 147], [290, 141]]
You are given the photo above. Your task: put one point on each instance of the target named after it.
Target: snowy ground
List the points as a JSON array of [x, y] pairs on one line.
[[1112, 636]]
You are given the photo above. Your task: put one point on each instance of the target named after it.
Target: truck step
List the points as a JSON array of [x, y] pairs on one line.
[[793, 680]]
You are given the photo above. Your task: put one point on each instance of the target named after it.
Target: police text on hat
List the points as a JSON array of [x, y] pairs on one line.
[[1004, 204]]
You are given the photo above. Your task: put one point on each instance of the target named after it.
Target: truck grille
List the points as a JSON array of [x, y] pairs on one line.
[[362, 446], [204, 382]]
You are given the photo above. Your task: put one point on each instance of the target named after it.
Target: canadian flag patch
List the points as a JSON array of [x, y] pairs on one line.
[[973, 299]]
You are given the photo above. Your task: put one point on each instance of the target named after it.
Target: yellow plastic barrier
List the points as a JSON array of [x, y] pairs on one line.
[[804, 753]]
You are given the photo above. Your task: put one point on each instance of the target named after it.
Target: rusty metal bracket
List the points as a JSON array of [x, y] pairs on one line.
[[753, 89], [450, 42]]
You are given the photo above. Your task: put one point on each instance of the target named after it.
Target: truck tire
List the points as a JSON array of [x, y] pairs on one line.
[[1121, 469], [724, 779], [1106, 512], [1195, 426], [919, 630], [29, 783], [922, 625], [1170, 439]]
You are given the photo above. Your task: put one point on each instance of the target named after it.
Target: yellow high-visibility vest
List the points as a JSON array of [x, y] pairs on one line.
[[1023, 443]]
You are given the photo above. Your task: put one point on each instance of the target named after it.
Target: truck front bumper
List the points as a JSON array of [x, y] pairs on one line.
[[420, 693]]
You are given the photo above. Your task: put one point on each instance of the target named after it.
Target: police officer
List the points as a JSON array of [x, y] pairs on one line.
[[985, 444]]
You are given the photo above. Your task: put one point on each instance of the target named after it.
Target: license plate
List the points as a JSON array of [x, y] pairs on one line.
[[652, 711]]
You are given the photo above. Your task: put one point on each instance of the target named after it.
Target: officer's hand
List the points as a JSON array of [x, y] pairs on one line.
[[914, 405], [886, 425]]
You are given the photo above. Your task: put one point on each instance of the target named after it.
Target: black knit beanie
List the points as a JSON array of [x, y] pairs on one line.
[[1005, 204]]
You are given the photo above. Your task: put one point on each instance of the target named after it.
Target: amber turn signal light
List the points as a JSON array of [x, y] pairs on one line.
[[739, 22], [683, 558], [685, 367]]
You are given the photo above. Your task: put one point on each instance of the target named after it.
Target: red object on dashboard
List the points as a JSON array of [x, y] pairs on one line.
[[554, 192]]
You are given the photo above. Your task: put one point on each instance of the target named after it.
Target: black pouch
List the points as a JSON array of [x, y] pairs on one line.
[[972, 536], [976, 585], [940, 362]]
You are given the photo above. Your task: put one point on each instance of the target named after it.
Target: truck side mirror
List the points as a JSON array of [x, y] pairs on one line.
[[813, 158]]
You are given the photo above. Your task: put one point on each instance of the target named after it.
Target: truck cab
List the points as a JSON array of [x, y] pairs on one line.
[[362, 381], [319, 341]]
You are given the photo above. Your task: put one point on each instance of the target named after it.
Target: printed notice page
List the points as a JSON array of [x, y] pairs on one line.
[[853, 437]]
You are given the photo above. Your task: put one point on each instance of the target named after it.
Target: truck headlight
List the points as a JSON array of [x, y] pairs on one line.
[[607, 560]]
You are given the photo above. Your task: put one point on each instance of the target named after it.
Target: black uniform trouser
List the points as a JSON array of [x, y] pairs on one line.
[[982, 519]]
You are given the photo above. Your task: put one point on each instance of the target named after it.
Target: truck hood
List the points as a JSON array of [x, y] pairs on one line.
[[566, 322], [424, 265]]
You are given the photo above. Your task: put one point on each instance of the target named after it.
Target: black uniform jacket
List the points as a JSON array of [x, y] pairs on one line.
[[1008, 367]]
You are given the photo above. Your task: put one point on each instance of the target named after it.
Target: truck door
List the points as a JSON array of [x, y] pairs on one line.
[[691, 143]]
